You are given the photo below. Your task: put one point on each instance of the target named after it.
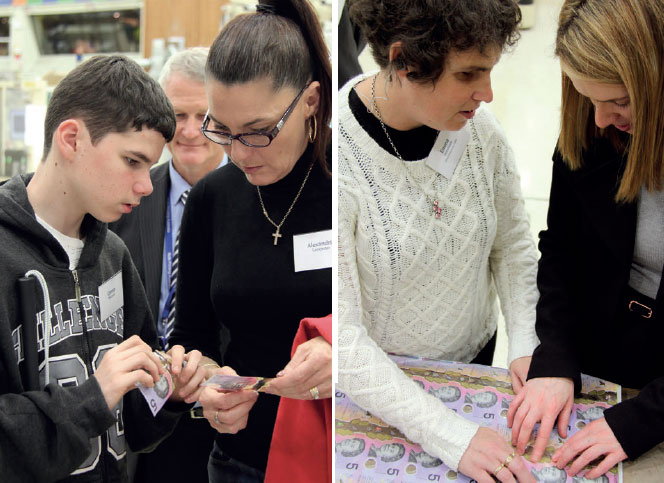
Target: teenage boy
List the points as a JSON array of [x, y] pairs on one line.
[[106, 125]]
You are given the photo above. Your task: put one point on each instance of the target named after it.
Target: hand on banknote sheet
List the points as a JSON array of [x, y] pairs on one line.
[[542, 400], [519, 372], [485, 459], [227, 412], [309, 372], [596, 440]]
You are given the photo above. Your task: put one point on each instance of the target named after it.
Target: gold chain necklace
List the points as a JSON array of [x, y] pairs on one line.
[[276, 234]]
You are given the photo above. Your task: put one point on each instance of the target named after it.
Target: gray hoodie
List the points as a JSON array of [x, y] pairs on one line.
[[65, 431]]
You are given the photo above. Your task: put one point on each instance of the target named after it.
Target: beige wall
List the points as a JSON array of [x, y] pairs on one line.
[[197, 21]]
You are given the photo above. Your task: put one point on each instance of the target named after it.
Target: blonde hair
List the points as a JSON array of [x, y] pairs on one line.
[[615, 42]]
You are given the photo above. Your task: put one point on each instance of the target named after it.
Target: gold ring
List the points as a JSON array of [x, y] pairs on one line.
[[314, 392], [497, 470], [216, 417], [509, 459]]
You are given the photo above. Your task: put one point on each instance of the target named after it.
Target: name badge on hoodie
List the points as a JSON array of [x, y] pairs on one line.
[[448, 150], [312, 251], [111, 296]]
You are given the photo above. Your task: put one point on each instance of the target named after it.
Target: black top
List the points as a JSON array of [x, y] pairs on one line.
[[413, 145], [583, 279], [231, 273], [350, 43]]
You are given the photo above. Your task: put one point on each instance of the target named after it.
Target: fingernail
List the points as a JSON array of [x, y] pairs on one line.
[[280, 373]]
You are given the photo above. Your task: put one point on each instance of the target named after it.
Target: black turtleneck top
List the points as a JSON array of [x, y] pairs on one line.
[[232, 274], [413, 145]]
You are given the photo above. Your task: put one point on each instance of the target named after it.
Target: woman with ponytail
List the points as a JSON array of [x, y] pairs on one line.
[[256, 242]]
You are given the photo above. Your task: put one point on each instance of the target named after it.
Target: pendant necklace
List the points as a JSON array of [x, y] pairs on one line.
[[436, 209], [276, 234]]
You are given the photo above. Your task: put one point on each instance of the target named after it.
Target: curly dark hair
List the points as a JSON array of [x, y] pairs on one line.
[[430, 29]]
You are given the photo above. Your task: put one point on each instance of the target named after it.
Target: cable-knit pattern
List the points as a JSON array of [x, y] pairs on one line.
[[414, 284]]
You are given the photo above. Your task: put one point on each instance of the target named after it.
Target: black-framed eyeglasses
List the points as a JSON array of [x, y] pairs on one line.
[[257, 139]]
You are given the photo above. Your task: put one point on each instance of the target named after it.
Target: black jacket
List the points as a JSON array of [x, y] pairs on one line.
[[583, 274], [67, 427]]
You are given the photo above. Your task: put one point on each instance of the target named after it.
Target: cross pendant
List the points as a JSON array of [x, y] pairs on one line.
[[276, 236], [437, 210]]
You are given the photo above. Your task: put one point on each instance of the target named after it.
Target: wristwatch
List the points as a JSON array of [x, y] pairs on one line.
[[196, 412]]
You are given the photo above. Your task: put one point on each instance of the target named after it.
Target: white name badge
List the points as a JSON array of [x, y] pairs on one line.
[[448, 150], [111, 296], [312, 251]]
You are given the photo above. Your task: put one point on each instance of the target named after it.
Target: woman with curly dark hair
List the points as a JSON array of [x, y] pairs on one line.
[[431, 222]]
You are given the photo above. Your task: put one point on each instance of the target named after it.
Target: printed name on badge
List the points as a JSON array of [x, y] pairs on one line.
[[312, 251], [448, 150], [111, 296]]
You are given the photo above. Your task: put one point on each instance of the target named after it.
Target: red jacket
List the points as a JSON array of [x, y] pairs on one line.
[[301, 449]]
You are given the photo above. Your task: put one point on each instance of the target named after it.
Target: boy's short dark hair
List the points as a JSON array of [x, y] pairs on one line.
[[110, 94], [430, 29]]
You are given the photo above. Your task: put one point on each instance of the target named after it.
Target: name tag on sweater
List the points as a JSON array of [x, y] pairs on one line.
[[111, 296], [312, 251], [448, 150]]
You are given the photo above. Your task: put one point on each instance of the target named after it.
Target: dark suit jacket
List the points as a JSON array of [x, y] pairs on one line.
[[583, 276], [143, 229], [184, 454]]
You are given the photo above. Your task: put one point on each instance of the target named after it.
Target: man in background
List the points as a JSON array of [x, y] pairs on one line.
[[150, 232]]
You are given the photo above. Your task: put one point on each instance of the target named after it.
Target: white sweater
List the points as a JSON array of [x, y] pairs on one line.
[[414, 284]]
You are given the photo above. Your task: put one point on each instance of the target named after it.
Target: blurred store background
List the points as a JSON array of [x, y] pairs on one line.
[[42, 40]]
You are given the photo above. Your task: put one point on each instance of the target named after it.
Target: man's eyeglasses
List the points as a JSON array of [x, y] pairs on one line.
[[257, 139]]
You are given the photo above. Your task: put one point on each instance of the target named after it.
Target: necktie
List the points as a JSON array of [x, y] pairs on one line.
[[170, 321]]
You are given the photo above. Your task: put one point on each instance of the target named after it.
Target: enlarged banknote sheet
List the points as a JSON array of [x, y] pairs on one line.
[[368, 450]]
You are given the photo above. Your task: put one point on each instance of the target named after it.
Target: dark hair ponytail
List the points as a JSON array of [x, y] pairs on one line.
[[282, 41]]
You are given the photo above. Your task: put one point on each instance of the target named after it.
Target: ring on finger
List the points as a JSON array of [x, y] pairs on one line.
[[509, 459], [216, 417], [497, 470], [314, 392]]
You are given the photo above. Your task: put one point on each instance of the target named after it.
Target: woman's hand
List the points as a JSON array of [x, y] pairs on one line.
[[519, 372], [488, 452], [187, 379], [227, 412], [593, 441], [309, 372], [542, 399]]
